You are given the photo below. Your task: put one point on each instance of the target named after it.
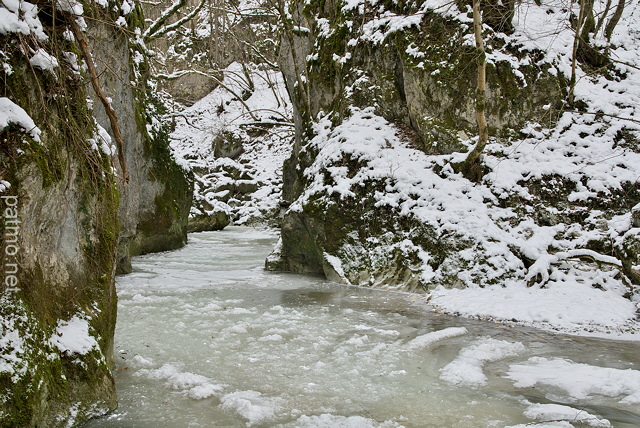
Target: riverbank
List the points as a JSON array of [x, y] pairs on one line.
[[570, 308]]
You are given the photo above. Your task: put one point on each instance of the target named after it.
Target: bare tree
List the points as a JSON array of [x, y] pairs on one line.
[[470, 165], [608, 29]]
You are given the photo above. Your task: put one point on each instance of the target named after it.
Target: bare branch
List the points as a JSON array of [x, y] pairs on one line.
[[113, 117], [218, 81], [267, 123], [164, 17], [178, 23], [604, 114]]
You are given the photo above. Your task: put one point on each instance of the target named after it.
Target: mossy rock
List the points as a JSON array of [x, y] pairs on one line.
[[208, 222]]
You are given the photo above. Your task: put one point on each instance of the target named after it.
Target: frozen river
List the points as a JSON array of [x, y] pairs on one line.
[[207, 338]]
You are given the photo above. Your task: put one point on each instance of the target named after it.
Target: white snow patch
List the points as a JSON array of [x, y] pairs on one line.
[[140, 361], [21, 17], [558, 412], [335, 421], [13, 113], [102, 141], [436, 336], [44, 61], [466, 368], [578, 381], [195, 386], [565, 305], [73, 337], [559, 424], [251, 405], [72, 6]]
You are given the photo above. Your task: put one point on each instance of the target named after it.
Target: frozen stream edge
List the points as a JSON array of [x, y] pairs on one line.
[[206, 337]]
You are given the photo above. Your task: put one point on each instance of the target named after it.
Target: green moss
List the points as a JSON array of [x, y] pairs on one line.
[[165, 228], [62, 163], [36, 377], [135, 19]]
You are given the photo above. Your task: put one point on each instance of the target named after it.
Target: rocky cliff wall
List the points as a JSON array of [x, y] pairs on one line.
[[385, 108], [155, 203], [59, 235], [68, 218]]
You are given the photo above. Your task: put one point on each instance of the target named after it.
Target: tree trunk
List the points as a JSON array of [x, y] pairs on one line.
[[611, 25], [470, 164], [574, 55]]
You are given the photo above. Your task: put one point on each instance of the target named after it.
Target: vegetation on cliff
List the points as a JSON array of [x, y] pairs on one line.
[[386, 111]]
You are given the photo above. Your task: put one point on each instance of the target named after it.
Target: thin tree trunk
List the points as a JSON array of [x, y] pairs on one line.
[[113, 117], [574, 54], [611, 25], [483, 132], [603, 17], [300, 75]]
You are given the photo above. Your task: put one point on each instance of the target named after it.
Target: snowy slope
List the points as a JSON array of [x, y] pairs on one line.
[[265, 141]]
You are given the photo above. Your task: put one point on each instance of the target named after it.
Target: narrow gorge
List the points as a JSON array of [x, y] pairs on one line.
[[476, 162]]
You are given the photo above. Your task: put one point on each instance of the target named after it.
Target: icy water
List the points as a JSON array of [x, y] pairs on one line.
[[207, 338]]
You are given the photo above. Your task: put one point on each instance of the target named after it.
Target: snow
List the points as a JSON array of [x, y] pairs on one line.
[[73, 337], [557, 412], [251, 405], [560, 424], [21, 17], [102, 141], [378, 29], [195, 386], [569, 306], [127, 7], [513, 258], [220, 114], [579, 296], [71, 6], [13, 345], [13, 113], [140, 361], [335, 421], [576, 380], [44, 61], [466, 368], [436, 336]]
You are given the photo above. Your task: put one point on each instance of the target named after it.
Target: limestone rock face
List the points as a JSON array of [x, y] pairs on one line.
[[190, 88], [218, 220], [60, 230], [421, 79], [68, 217], [154, 205]]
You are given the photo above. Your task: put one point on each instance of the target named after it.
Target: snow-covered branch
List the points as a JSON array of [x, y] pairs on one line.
[[164, 17], [538, 273], [164, 30]]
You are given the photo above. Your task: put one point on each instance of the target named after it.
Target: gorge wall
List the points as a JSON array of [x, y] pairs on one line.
[[384, 98], [68, 217], [155, 203]]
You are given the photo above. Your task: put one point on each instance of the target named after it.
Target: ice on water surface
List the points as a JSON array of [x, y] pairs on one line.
[[206, 337]]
